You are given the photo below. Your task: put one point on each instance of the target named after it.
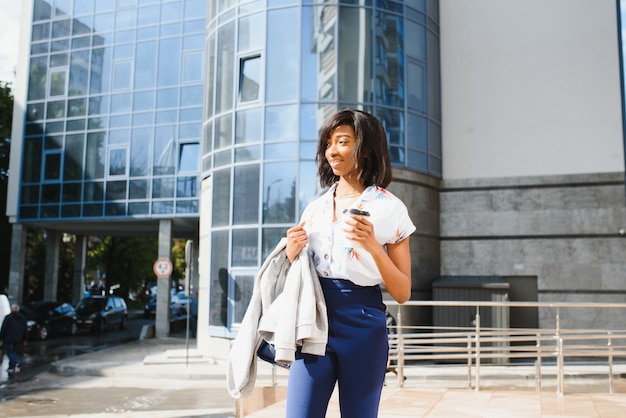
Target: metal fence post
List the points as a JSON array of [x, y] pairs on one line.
[[400, 370], [477, 348]]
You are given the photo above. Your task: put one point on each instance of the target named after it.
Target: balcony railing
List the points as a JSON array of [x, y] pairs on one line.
[[478, 345]]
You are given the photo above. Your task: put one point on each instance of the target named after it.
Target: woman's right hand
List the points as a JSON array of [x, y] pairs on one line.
[[296, 240]]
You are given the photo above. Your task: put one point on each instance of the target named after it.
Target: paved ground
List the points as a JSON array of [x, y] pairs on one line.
[[163, 378]]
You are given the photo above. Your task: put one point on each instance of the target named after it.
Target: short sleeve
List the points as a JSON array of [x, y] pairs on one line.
[[399, 225]]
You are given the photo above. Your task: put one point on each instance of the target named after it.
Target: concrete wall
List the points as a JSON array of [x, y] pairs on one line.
[[420, 193], [563, 230], [203, 339], [530, 88]]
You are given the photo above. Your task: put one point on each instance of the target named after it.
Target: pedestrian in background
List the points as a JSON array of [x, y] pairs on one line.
[[358, 236], [14, 331]]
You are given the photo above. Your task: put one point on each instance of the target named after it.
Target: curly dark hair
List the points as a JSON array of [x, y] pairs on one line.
[[370, 152]]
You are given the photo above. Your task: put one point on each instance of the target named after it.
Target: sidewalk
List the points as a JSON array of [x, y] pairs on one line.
[[436, 391]]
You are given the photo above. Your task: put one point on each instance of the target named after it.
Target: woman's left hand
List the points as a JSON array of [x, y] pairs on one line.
[[360, 230]]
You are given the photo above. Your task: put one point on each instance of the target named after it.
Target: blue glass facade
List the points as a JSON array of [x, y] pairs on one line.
[[114, 110], [276, 69]]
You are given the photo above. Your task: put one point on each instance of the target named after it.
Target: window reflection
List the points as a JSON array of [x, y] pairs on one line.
[[163, 187], [225, 66], [246, 195], [248, 126], [188, 160], [52, 170], [168, 68], [282, 55], [164, 150], [220, 198], [187, 187], [389, 59], [57, 83], [138, 189], [73, 157], [279, 187], [219, 280], [192, 68], [241, 294], [393, 122], [281, 151], [318, 66], [416, 86], [116, 190], [245, 247], [117, 162], [354, 57], [281, 123], [251, 32]]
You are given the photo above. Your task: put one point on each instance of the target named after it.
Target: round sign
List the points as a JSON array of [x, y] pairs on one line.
[[163, 268]]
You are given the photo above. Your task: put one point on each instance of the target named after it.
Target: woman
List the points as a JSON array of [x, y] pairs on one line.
[[353, 255]]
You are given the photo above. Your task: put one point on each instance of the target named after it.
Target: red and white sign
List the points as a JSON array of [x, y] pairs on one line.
[[163, 268]]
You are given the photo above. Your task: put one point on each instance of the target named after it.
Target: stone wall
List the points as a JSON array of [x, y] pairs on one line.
[[420, 193], [563, 230]]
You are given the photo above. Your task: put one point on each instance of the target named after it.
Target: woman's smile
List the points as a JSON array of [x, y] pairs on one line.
[[340, 150]]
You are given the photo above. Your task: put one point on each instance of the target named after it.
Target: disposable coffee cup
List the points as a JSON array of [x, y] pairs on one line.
[[348, 242]]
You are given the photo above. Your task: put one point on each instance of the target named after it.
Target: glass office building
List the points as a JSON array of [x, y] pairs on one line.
[[276, 69], [132, 107], [114, 110]]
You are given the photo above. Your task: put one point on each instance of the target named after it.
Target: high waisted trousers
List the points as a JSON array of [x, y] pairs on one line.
[[356, 356]]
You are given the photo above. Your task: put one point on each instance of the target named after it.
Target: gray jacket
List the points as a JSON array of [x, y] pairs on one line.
[[287, 308]]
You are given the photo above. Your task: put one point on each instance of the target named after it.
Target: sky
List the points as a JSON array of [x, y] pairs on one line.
[[9, 37]]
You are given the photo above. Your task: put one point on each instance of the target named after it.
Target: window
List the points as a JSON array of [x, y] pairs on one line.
[[52, 170], [117, 161], [57, 82], [249, 79], [188, 160]]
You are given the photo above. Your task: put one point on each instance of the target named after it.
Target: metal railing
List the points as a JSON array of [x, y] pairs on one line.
[[475, 345]]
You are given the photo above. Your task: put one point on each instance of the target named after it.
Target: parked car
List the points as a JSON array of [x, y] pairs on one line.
[[45, 318], [176, 309], [182, 301], [97, 313]]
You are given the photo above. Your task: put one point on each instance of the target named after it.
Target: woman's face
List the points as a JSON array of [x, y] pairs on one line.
[[340, 150]]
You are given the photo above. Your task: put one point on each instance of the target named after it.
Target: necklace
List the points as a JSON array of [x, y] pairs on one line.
[[346, 195]]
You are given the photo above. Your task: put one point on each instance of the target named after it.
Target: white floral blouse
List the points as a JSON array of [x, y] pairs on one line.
[[332, 255]]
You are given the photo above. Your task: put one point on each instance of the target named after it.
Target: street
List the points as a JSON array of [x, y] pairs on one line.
[[37, 392], [37, 355]]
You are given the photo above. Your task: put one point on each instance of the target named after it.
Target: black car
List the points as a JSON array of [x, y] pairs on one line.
[[47, 317], [97, 313]]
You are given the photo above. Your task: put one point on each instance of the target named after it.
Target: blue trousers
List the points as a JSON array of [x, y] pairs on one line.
[[9, 348], [356, 356]]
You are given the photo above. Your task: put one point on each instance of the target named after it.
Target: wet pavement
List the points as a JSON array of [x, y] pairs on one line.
[[37, 355], [115, 382], [168, 378]]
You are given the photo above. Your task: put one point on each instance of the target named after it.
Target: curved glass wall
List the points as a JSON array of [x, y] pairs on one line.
[[276, 69], [114, 110]]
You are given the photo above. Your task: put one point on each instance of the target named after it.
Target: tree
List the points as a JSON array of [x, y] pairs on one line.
[[122, 263], [6, 119]]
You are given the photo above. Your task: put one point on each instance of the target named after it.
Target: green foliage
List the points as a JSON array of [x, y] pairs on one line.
[[128, 262], [35, 265], [122, 261]]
